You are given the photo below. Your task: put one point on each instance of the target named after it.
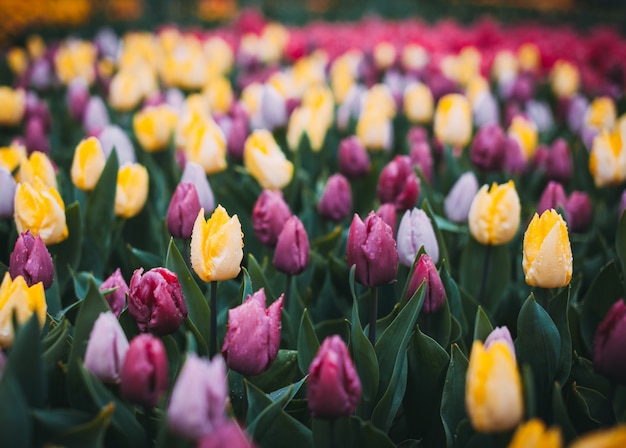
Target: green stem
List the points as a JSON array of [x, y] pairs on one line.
[[148, 414], [213, 329], [373, 315], [287, 294], [483, 281], [332, 433]]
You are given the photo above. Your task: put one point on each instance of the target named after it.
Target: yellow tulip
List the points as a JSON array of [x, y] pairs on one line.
[[17, 297], [265, 161], [41, 210], [17, 60], [603, 438], [601, 114], [273, 41], [36, 46], [13, 106], [216, 246], [125, 91], [379, 98], [494, 215], [206, 146], [493, 388], [414, 57], [220, 56], [462, 67], [343, 74], [11, 157], [504, 66], [195, 112], [154, 126], [607, 161], [418, 103], [476, 88], [76, 59], [88, 163], [547, 258], [219, 94], [132, 190], [528, 57], [38, 165], [306, 120], [375, 130], [525, 132], [533, 434], [185, 66], [384, 55], [564, 79], [453, 120]]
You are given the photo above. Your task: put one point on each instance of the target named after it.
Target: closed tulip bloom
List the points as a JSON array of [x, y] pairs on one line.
[[493, 388], [534, 433], [38, 165], [607, 161], [77, 98], [125, 91], [333, 387], [206, 146], [194, 174], [154, 126], [578, 209], [216, 246], [608, 344], [265, 161], [372, 248], [564, 79], [418, 103], [236, 137], [576, 110], [144, 376], [30, 259], [253, 335], [336, 201], [7, 195], [21, 300], [13, 106], [95, 117], [515, 161], [226, 434], [132, 190], [375, 130], [399, 184], [422, 158], [117, 298], [459, 200], [435, 294], [487, 150], [182, 211], [547, 261], [601, 114], [388, 214], [494, 215], [525, 132], [269, 215], [291, 255], [36, 136], [602, 438], [197, 405], [415, 231], [115, 138], [41, 210], [552, 197], [354, 162], [88, 164], [106, 348], [453, 120], [558, 165], [500, 334]]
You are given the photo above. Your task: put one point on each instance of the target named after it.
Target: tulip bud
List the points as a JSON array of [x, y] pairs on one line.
[[453, 120], [354, 162], [253, 335], [534, 433], [132, 190], [500, 334], [387, 212], [36, 136], [13, 106], [227, 434], [156, 301], [95, 116], [31, 260], [525, 132], [540, 114], [494, 215], [372, 248], [206, 146], [336, 201], [7, 193], [291, 255], [19, 301], [493, 388], [113, 137], [194, 174], [269, 215], [201, 385], [485, 110], [87, 164], [421, 157], [333, 388], [608, 344], [414, 232], [514, 159], [602, 438], [552, 197], [38, 165], [153, 127], [435, 294], [487, 150], [547, 260], [578, 209], [558, 164], [182, 211], [459, 200], [106, 348], [374, 130], [117, 298], [607, 161], [265, 161], [236, 137], [576, 112], [144, 375], [564, 79], [77, 98], [398, 184], [418, 103]]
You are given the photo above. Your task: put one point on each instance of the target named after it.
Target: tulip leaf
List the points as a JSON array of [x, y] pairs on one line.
[[16, 425], [590, 409], [558, 310], [74, 429], [453, 295], [308, 344], [200, 344], [146, 260], [441, 242], [348, 432], [281, 373], [197, 306], [453, 397], [438, 324], [482, 325], [620, 243], [245, 289], [561, 417], [257, 275], [66, 254], [328, 242], [56, 344]]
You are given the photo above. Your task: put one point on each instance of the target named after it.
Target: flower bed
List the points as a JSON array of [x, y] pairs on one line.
[[349, 234]]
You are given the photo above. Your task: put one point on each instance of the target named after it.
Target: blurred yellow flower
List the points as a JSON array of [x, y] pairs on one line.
[[17, 297], [384, 55], [206, 146], [219, 95], [453, 120], [375, 130], [154, 127], [132, 190], [525, 132], [17, 60], [87, 164], [38, 165], [528, 57], [601, 114], [603, 438], [11, 157], [265, 161], [13, 106], [125, 91], [494, 215], [564, 79], [76, 59], [607, 161], [418, 103], [534, 434]]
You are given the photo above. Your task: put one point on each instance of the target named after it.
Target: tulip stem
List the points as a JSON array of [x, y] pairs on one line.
[[213, 330], [373, 315], [483, 281], [287, 293], [331, 427], [545, 299], [148, 413]]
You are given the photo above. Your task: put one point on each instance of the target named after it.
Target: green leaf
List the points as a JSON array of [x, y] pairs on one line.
[[590, 409], [308, 344], [16, 425], [281, 372], [482, 325], [349, 432], [453, 296], [257, 275], [75, 429], [559, 306], [146, 260], [245, 289], [561, 417], [66, 254], [443, 251], [438, 325], [56, 344], [453, 397], [620, 243]]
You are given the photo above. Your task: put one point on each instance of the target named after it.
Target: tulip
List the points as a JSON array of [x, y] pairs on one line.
[[494, 215], [13, 106], [540, 114], [88, 164], [552, 197], [434, 294], [558, 164], [182, 211], [485, 109], [291, 255], [194, 174], [514, 159], [354, 162], [114, 137], [459, 200], [38, 165], [578, 209], [41, 210], [19, 300], [7, 197], [607, 161], [608, 344], [227, 434], [372, 248], [77, 98], [36, 136], [622, 205], [547, 260], [500, 334], [488, 146], [576, 111], [31, 260], [336, 201], [156, 301], [216, 246], [219, 95], [398, 184], [106, 348], [132, 190], [144, 374], [76, 59], [415, 231], [236, 137], [493, 389], [375, 130], [125, 91], [40, 74], [564, 79], [333, 387], [387, 212], [265, 161], [453, 120], [602, 438], [206, 146], [197, 405], [534, 433], [525, 133], [418, 103], [95, 117], [116, 299], [269, 215], [253, 335], [273, 109], [601, 114], [154, 126], [306, 120], [422, 158]]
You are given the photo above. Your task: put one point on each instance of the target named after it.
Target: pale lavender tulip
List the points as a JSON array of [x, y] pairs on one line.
[[415, 231], [114, 137], [106, 348], [7, 193], [194, 174], [459, 199], [117, 298], [500, 334], [96, 116]]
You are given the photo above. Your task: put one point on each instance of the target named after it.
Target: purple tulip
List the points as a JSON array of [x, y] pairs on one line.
[[608, 344], [30, 259], [273, 108], [253, 335], [36, 136], [540, 113], [40, 74], [487, 149], [398, 184], [155, 301], [553, 196], [194, 173], [114, 137], [435, 294], [269, 215], [354, 161], [500, 334], [622, 205], [336, 201], [236, 136], [106, 348], [417, 134], [144, 377], [117, 298], [576, 112], [226, 434], [523, 88], [415, 231], [333, 387], [291, 255], [459, 200], [422, 157], [7, 193], [578, 209], [77, 98], [485, 110], [558, 165], [96, 116], [389, 215], [514, 160], [183, 211]]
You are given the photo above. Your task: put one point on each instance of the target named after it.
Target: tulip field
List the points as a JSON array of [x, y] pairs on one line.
[[340, 234]]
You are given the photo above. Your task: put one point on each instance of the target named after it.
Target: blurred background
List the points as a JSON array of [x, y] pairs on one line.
[[50, 17]]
